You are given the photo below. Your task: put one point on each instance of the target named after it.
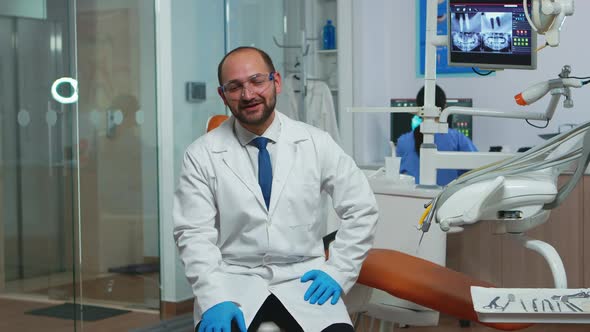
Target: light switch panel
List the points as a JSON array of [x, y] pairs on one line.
[[195, 92]]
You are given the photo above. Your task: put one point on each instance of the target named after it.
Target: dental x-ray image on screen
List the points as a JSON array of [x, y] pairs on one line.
[[490, 34], [466, 28], [496, 32]]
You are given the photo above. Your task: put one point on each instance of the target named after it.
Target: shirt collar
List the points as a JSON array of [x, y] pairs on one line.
[[272, 132]]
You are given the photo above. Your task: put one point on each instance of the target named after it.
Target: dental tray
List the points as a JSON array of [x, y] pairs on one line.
[[532, 305]]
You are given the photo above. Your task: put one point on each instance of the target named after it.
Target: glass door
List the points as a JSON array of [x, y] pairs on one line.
[[38, 250], [78, 161], [117, 153]]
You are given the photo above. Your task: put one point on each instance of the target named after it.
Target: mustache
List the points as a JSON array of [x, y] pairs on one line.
[[251, 102]]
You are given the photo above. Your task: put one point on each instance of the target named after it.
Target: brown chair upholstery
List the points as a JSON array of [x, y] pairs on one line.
[[415, 279], [425, 283]]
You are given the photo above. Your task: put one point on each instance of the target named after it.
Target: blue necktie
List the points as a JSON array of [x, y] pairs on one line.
[[264, 168]]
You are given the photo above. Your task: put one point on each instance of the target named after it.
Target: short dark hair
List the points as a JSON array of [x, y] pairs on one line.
[[440, 98], [264, 55]]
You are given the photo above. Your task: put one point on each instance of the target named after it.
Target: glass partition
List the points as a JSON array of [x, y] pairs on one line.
[[255, 23], [36, 164], [117, 145], [79, 228], [78, 182]]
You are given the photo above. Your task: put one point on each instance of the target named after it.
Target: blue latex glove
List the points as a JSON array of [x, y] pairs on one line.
[[322, 288], [218, 318]]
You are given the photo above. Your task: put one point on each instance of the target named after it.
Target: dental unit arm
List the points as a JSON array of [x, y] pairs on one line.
[[545, 21], [431, 158], [516, 194], [557, 87], [546, 17]]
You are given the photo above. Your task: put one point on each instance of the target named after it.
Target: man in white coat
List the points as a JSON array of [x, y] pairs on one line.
[[247, 215]]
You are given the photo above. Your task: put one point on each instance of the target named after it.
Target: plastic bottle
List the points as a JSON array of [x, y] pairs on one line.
[[329, 36]]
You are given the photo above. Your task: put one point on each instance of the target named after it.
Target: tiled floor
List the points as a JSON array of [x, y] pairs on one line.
[[139, 293], [13, 318], [136, 291]]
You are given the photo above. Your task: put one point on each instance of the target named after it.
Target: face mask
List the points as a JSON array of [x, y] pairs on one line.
[[416, 121]]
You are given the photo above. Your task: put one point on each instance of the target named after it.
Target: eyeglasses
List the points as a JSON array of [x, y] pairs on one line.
[[257, 83]]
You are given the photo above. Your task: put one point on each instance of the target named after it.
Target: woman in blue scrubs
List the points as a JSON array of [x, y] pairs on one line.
[[408, 145]]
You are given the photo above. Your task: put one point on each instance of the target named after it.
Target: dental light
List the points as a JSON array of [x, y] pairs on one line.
[[547, 17], [557, 87], [537, 91]]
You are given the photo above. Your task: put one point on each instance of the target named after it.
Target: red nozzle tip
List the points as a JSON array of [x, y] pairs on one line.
[[520, 100]]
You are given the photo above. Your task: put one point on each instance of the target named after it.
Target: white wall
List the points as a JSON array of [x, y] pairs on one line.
[[384, 68], [254, 23], [377, 41], [197, 47]]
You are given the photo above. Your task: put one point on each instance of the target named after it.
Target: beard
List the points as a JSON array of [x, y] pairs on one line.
[[257, 118]]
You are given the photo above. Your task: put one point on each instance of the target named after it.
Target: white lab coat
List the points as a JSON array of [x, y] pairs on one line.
[[233, 249], [287, 99], [319, 108]]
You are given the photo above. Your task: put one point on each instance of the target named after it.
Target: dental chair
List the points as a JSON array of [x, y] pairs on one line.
[[215, 121], [410, 278], [425, 283], [516, 195]]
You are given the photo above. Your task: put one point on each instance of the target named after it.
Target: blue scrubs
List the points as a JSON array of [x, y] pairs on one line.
[[410, 161]]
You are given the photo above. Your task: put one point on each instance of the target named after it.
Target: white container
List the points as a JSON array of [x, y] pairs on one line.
[[392, 165]]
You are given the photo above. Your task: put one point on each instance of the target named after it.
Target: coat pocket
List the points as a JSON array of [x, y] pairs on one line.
[[303, 205]]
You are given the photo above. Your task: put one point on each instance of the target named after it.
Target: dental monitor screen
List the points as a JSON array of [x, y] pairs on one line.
[[490, 34]]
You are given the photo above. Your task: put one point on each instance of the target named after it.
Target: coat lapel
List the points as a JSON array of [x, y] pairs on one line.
[[287, 151], [237, 160]]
